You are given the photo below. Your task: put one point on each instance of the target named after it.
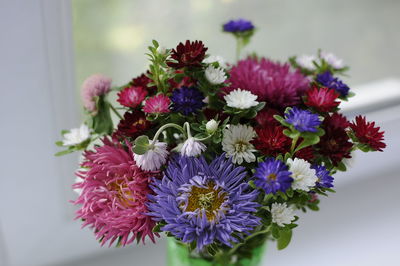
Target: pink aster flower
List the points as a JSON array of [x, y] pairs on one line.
[[157, 104], [132, 96], [93, 86], [113, 197], [273, 82]]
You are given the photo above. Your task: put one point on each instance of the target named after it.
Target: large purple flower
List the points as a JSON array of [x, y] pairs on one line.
[[302, 120], [327, 80], [187, 100], [239, 25], [272, 176], [277, 84], [205, 203]]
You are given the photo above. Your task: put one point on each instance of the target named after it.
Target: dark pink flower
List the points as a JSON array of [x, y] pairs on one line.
[[114, 195], [273, 82], [157, 104], [132, 96]]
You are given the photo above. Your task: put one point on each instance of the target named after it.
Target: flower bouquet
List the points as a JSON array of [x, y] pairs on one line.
[[220, 157]]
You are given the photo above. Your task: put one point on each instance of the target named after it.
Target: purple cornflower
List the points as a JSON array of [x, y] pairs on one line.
[[273, 175], [302, 120], [327, 80], [204, 202], [187, 100], [324, 177], [239, 25]]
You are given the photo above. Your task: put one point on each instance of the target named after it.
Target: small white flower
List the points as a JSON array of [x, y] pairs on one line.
[[154, 158], [332, 60], [306, 61], [303, 176], [215, 58], [241, 99], [281, 214], [236, 143], [211, 126], [192, 147], [215, 75], [76, 135]]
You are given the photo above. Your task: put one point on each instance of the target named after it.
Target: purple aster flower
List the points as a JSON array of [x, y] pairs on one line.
[[187, 100], [273, 175], [204, 202], [324, 177], [327, 80], [239, 25], [302, 120]]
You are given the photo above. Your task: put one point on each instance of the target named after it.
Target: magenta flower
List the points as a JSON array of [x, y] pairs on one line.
[[273, 82], [157, 104], [93, 86], [114, 195], [132, 96]]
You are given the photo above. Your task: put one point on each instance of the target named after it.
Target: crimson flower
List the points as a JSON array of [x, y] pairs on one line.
[[367, 133], [143, 81], [335, 144], [190, 54], [266, 117], [306, 154], [323, 99], [132, 125], [131, 96], [271, 141]]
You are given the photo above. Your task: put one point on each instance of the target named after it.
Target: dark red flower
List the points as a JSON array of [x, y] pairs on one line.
[[143, 81], [306, 154], [266, 117], [133, 125], [190, 54], [323, 99], [271, 141], [368, 133], [185, 82], [335, 144]]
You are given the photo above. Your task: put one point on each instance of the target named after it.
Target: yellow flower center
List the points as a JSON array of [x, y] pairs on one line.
[[272, 176], [241, 146], [208, 199]]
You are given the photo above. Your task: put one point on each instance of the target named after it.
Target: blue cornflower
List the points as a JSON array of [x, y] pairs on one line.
[[273, 175], [302, 120], [239, 25], [324, 177], [187, 100], [327, 80], [204, 203]]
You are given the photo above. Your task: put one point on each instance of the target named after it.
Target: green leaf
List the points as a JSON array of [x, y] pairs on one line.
[[60, 153], [291, 134], [102, 122], [142, 144], [284, 239], [59, 143], [275, 232]]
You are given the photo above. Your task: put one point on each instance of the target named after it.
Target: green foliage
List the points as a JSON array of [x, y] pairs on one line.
[[284, 238], [159, 71], [142, 145], [101, 122]]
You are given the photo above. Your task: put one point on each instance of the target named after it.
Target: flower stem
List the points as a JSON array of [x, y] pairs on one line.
[[233, 250], [161, 129], [294, 142], [115, 111]]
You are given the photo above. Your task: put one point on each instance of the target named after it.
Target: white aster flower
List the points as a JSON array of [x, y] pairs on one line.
[[236, 143], [215, 58], [154, 158], [281, 214], [306, 61], [192, 147], [211, 126], [76, 135], [303, 176], [215, 75], [332, 60], [241, 99]]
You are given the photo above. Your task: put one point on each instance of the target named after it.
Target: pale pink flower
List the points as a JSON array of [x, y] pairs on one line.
[[157, 104], [93, 86]]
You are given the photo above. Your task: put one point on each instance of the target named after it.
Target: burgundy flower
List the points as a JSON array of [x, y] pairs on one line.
[[190, 54], [306, 154], [271, 141], [368, 133], [335, 144], [266, 117], [143, 81], [133, 125], [323, 99], [132, 96]]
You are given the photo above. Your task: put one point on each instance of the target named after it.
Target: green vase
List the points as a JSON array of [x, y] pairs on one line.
[[179, 255]]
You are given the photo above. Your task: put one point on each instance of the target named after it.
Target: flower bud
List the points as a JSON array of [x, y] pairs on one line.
[[211, 126]]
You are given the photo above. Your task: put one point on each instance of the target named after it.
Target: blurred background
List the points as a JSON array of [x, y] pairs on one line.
[[48, 48]]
